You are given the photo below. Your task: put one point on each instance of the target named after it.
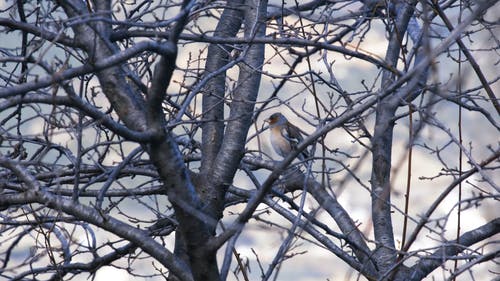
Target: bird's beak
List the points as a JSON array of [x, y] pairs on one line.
[[265, 124]]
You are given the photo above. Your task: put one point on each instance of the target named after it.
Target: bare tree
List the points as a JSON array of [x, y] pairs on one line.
[[132, 136]]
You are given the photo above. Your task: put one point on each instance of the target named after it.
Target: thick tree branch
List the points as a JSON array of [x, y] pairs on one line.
[[452, 248], [426, 216], [34, 193], [242, 106], [128, 104], [40, 32], [67, 74], [213, 96], [77, 103], [385, 254]]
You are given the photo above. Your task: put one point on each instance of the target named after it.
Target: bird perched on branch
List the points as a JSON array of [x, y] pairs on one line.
[[284, 136]]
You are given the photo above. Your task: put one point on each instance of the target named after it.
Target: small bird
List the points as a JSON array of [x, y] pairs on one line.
[[284, 136]]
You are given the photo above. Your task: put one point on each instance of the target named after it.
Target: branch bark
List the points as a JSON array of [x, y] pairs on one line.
[[243, 102], [34, 193], [213, 107], [385, 254], [451, 248]]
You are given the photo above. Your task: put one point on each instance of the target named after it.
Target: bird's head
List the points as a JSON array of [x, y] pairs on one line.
[[276, 119]]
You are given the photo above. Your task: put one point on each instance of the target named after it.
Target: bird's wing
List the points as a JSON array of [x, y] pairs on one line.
[[286, 135], [295, 136], [293, 133]]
